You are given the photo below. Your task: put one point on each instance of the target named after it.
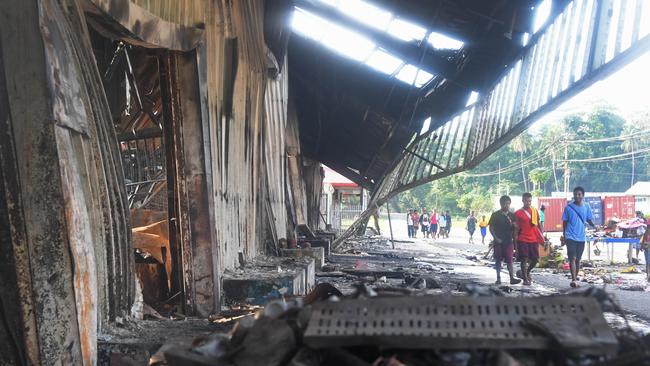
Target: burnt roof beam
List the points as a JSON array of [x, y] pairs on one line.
[[409, 52]]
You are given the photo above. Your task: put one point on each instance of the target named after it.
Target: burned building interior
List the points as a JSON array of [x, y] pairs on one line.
[[164, 157]]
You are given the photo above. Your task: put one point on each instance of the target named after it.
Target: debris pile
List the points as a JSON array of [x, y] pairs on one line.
[[326, 328]]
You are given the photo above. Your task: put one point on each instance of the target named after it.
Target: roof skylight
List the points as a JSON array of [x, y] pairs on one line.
[[366, 13], [309, 24], [330, 2], [441, 41], [413, 76], [406, 31], [355, 46], [347, 42], [384, 62], [473, 97], [425, 126]]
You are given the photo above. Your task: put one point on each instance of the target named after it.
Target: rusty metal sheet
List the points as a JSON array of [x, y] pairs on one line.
[[123, 19], [450, 322]]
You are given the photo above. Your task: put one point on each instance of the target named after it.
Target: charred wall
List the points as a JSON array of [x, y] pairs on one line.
[[68, 255]]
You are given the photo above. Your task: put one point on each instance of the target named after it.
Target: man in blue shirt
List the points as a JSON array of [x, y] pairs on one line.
[[575, 218]]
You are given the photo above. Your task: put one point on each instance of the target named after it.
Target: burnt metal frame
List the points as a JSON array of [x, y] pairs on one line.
[[462, 322], [541, 82]]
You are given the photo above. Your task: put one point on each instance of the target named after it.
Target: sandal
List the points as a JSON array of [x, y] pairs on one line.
[[515, 281], [574, 284]]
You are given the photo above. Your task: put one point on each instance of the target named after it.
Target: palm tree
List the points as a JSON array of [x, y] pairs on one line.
[[521, 144]]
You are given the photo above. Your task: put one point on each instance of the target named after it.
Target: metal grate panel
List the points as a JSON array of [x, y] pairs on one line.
[[450, 322]]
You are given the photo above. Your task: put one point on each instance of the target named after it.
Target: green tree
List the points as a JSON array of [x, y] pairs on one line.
[[539, 177]]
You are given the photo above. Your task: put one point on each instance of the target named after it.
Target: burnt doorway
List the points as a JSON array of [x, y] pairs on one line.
[[140, 95]]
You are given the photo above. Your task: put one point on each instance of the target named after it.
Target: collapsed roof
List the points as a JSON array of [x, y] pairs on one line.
[[359, 107]]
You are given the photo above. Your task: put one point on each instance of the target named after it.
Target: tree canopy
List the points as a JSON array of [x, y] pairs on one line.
[[602, 151]]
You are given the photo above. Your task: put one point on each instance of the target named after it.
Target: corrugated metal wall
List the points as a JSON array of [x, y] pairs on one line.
[[247, 139], [246, 111], [185, 12], [275, 105], [236, 138]]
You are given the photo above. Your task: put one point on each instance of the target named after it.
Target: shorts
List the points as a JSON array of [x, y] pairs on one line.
[[483, 231], [503, 253], [575, 249], [434, 228], [527, 251], [425, 229]]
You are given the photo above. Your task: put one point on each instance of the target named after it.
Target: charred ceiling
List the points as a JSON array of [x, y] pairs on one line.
[[357, 119]]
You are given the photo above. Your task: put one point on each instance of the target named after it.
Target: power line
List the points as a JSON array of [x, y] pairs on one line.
[[545, 151], [613, 138], [606, 158]]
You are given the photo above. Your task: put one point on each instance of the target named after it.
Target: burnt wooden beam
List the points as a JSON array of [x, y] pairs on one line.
[[351, 175], [146, 133], [423, 56]]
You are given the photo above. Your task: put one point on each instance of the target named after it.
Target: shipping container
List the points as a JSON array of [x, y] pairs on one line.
[[618, 206], [553, 212], [596, 204]]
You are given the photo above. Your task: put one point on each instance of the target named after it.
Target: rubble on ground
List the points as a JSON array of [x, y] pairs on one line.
[[371, 328], [373, 305]]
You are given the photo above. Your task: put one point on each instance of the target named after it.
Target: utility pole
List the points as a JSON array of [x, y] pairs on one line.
[[499, 185], [567, 171], [633, 163], [557, 186]]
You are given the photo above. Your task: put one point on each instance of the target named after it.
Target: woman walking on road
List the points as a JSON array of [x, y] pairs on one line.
[[416, 223], [471, 226], [442, 224], [482, 225], [434, 224]]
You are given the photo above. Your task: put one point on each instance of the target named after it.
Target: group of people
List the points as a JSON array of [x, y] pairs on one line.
[[472, 221], [483, 224], [519, 234], [432, 225]]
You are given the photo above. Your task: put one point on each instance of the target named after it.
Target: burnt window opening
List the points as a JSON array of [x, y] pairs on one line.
[[132, 78]]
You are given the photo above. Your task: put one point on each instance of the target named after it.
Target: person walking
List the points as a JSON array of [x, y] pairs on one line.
[[442, 223], [482, 225], [645, 246], [416, 223], [640, 232], [575, 218], [542, 210], [502, 228], [409, 223], [448, 221], [424, 222], [471, 226], [529, 237], [433, 228]]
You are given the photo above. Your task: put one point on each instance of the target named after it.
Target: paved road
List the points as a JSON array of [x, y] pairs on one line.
[[455, 251]]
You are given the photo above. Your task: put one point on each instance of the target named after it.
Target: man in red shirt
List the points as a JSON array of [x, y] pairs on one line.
[[529, 237]]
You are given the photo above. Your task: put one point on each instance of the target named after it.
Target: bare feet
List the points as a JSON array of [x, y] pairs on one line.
[[498, 282], [515, 281], [574, 284]]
